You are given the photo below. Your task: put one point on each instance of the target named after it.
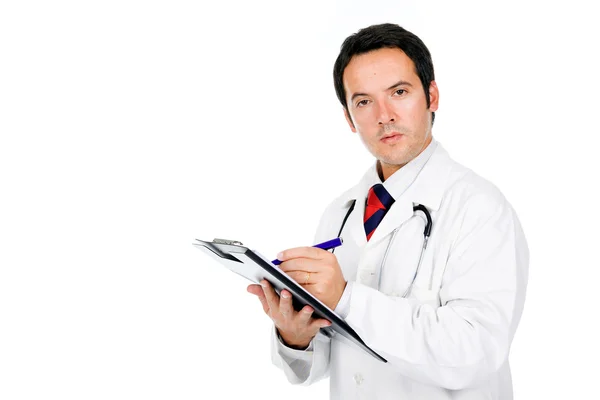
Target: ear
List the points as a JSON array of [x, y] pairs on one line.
[[434, 96], [349, 120]]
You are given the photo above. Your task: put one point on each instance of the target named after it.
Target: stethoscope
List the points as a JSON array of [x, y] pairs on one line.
[[426, 234]]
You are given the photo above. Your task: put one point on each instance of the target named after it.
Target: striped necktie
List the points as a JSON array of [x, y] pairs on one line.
[[379, 202]]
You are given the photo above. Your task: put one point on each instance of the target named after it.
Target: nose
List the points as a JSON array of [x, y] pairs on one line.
[[386, 114]]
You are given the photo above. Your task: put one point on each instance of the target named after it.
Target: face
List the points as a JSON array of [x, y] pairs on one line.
[[387, 106]]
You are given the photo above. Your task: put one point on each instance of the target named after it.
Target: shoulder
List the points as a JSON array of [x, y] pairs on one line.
[[467, 186], [342, 201], [473, 199], [338, 205]]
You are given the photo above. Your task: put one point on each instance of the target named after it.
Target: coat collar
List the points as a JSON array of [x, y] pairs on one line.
[[421, 181]]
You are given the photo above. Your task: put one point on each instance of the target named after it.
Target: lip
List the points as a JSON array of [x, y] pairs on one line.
[[392, 137]]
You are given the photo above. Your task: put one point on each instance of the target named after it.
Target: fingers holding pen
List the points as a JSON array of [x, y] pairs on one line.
[[313, 253], [302, 265], [304, 278]]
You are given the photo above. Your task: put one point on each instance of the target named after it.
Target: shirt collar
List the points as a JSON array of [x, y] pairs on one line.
[[422, 179]]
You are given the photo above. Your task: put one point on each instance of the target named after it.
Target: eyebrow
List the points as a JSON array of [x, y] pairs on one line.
[[399, 83]]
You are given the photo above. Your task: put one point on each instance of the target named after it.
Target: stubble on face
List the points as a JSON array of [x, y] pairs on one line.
[[399, 154], [373, 75]]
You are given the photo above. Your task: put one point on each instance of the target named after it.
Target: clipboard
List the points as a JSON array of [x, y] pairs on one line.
[[255, 267]]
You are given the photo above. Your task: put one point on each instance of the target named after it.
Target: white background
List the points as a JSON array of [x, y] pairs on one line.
[[130, 128]]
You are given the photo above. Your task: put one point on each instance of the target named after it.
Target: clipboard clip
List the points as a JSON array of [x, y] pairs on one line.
[[226, 241]]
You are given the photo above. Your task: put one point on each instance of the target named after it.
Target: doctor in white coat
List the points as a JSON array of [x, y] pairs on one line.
[[445, 332]]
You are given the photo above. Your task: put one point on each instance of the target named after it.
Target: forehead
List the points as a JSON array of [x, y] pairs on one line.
[[377, 70]]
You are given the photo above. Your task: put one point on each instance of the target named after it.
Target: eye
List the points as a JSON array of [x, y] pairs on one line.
[[400, 92], [362, 103]]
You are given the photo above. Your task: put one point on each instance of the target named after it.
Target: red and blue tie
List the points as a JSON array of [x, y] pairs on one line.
[[379, 202]]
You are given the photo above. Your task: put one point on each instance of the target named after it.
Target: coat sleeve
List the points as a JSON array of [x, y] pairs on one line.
[[468, 337], [302, 367], [305, 367]]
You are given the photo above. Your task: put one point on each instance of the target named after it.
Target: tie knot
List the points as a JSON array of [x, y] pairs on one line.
[[379, 197]]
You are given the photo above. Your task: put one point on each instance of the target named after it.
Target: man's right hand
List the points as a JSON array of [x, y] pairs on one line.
[[296, 328]]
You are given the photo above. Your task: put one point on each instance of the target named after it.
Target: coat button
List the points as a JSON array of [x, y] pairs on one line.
[[358, 379]]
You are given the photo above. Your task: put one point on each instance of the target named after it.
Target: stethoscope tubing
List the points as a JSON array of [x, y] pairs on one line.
[[426, 234]]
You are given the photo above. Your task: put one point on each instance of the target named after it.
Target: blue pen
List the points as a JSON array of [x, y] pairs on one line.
[[328, 245]]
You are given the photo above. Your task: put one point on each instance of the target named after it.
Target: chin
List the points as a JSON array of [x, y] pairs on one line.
[[395, 162], [400, 158]]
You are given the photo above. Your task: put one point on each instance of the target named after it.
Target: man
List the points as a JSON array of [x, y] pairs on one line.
[[444, 320]]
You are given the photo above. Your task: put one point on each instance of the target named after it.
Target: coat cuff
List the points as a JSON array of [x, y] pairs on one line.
[[291, 353], [343, 306]]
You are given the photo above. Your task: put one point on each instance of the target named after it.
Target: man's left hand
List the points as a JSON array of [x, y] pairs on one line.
[[316, 270]]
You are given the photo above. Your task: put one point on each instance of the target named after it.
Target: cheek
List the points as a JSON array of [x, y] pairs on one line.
[[367, 121], [412, 114], [408, 109], [365, 118]]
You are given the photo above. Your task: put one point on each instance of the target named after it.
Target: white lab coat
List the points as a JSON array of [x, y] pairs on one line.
[[450, 337]]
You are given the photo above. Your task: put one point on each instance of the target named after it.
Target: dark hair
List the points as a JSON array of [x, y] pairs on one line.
[[380, 36]]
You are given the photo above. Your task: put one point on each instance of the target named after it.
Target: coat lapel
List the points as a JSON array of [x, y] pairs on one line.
[[354, 229], [355, 224], [427, 189], [399, 212]]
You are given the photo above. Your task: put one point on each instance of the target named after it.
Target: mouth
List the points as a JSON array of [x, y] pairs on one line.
[[391, 137]]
